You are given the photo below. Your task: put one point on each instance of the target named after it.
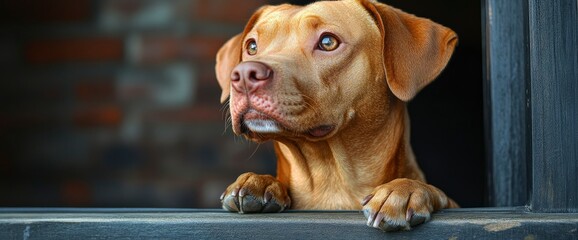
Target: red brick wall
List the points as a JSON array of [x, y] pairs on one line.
[[114, 103], [73, 49]]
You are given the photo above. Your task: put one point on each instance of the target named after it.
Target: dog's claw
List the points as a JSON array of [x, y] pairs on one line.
[[416, 220], [287, 202], [409, 214], [384, 222], [222, 196], [242, 192], [366, 199], [231, 204], [267, 197], [235, 192]]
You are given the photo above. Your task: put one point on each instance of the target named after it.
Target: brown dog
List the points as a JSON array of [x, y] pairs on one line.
[[328, 83]]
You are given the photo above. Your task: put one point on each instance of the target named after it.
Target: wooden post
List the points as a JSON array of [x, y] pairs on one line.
[[505, 55], [553, 99]]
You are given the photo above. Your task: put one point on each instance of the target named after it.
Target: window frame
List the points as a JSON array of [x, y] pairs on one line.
[[531, 108], [531, 103]]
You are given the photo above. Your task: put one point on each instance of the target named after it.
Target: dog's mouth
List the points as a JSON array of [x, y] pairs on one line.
[[257, 125], [321, 131]]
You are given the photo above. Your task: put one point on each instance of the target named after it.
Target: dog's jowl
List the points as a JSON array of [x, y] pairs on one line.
[[328, 84]]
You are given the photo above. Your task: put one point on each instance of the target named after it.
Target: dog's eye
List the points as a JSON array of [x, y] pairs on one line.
[[328, 42], [251, 47]]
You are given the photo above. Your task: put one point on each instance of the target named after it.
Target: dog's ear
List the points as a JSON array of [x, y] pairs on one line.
[[227, 58], [230, 55], [415, 50]]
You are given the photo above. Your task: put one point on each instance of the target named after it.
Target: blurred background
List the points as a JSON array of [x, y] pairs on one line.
[[114, 103]]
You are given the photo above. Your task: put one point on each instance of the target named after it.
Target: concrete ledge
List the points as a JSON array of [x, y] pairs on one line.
[[486, 223]]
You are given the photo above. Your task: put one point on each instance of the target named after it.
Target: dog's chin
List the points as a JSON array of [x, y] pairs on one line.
[[257, 126]]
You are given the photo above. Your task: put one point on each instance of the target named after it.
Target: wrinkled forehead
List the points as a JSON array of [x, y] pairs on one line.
[[344, 15]]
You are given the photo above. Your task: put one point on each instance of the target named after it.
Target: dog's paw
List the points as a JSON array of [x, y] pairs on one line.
[[253, 193], [401, 204]]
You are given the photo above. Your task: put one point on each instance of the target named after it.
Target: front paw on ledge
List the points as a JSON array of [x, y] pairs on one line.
[[253, 193], [402, 204]]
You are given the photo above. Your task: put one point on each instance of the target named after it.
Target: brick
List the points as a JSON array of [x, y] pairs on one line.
[[71, 50], [95, 91], [209, 94], [206, 75], [154, 50], [135, 92], [142, 14], [190, 114], [169, 85], [36, 11], [208, 87], [103, 116], [225, 10], [127, 7]]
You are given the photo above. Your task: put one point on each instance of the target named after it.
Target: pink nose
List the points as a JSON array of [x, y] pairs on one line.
[[250, 76]]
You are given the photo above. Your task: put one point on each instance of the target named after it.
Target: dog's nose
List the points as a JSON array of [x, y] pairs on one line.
[[250, 76]]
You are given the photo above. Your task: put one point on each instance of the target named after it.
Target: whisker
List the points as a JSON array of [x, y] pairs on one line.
[[228, 122], [310, 104], [226, 115], [255, 151], [238, 139]]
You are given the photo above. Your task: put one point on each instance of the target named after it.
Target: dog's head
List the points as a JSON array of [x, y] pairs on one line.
[[307, 72]]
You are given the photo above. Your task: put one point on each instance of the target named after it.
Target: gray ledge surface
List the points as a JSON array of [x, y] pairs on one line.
[[89, 223]]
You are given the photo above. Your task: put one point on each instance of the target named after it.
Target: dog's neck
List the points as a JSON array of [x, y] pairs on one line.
[[364, 154]]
